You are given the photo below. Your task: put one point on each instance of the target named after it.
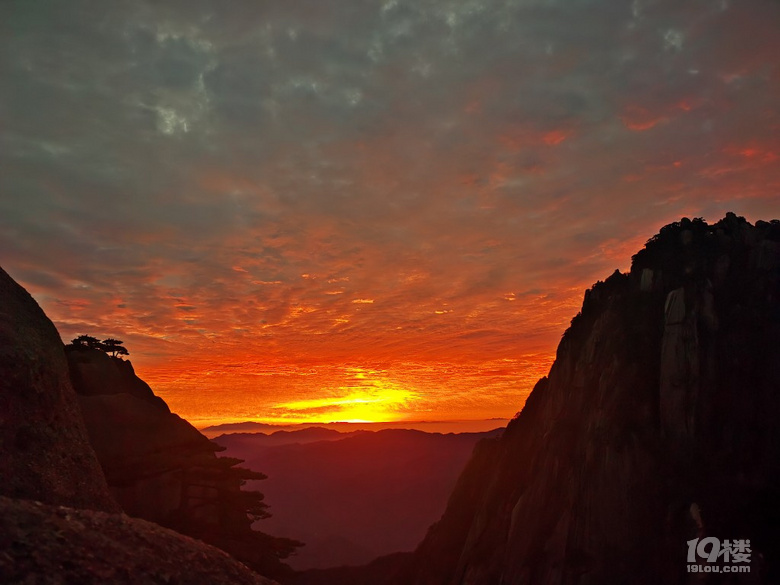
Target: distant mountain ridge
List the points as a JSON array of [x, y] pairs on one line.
[[307, 435], [431, 426], [353, 496]]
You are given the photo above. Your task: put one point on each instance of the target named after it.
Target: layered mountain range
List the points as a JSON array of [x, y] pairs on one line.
[[354, 496]]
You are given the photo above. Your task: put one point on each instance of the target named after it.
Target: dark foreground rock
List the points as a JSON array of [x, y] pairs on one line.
[[55, 544], [44, 451]]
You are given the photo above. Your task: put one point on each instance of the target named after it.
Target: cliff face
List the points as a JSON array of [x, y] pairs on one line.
[[145, 450], [44, 451], [657, 424], [96, 373], [45, 455], [160, 468]]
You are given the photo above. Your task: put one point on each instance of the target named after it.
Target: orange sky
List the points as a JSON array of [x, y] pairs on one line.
[[294, 212]]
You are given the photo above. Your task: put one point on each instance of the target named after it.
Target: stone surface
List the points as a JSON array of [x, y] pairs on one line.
[[55, 544], [145, 453], [44, 451], [94, 372]]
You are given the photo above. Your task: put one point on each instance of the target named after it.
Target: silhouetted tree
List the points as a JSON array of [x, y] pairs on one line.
[[110, 346], [86, 342], [114, 347]]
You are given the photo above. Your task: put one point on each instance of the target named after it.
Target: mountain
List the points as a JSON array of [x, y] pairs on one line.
[[160, 468], [239, 427], [45, 450], [429, 426], [250, 442], [352, 497], [58, 520], [656, 425]]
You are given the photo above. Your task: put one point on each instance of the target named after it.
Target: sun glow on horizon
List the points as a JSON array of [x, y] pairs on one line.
[[242, 388], [372, 397]]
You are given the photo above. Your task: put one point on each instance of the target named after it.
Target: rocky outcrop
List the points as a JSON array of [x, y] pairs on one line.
[[95, 373], [56, 544], [49, 469], [145, 450], [44, 451], [657, 424], [146, 454], [160, 468]]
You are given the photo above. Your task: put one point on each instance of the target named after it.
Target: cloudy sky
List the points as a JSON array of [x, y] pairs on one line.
[[359, 209]]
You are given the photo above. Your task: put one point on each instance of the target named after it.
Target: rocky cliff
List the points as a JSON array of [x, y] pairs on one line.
[[52, 529], [44, 450], [95, 373], [657, 424], [160, 468]]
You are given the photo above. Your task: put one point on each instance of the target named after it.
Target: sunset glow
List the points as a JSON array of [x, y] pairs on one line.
[[370, 398], [296, 212]]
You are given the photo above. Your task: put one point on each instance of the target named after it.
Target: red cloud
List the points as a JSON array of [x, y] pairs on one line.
[[639, 119]]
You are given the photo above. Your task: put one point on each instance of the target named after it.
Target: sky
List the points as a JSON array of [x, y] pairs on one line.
[[323, 210]]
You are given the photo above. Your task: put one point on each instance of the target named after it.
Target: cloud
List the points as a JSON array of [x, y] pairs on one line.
[[170, 173]]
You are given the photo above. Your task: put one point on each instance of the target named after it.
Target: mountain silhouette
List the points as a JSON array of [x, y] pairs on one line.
[[656, 425], [59, 522]]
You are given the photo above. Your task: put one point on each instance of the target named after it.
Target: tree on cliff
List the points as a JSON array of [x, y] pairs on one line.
[[111, 346], [114, 347], [86, 342]]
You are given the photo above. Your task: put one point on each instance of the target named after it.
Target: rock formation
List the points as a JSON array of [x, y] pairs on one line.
[[160, 468], [56, 544], [95, 373], [657, 424], [44, 450], [49, 471]]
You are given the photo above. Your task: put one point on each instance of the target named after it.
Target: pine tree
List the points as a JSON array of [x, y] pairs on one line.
[[114, 347]]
